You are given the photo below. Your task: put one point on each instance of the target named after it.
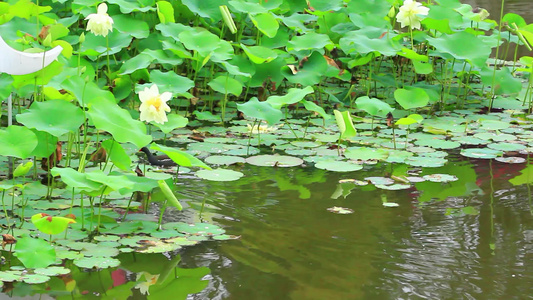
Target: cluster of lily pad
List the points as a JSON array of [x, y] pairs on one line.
[[264, 71]]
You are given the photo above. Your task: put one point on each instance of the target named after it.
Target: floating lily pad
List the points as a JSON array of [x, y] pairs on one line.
[[52, 271], [436, 154], [10, 276], [134, 241], [243, 151], [338, 166], [470, 140], [97, 262], [219, 175], [506, 146], [300, 152], [438, 144], [399, 144], [421, 149], [274, 161], [166, 246], [35, 278], [393, 187], [423, 161], [497, 137], [225, 237], [364, 153], [340, 210], [212, 147], [68, 254], [198, 228], [415, 179], [224, 160], [100, 251], [380, 180], [399, 156], [106, 238], [484, 153], [494, 124], [306, 144], [511, 160], [440, 177]]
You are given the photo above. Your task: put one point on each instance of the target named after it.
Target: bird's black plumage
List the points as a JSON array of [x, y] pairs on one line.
[[158, 160]]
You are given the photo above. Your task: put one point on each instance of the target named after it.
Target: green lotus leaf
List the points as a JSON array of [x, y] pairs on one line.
[[505, 147], [294, 95], [127, 7], [266, 23], [51, 225], [338, 166], [274, 161], [174, 121], [180, 157], [17, 141], [411, 98], [117, 154], [261, 111], [309, 41], [311, 106], [101, 251], [97, 262], [43, 116], [10, 276], [224, 160], [226, 85], [259, 54], [108, 116], [206, 8], [463, 45], [484, 153], [34, 252], [310, 74], [129, 24], [511, 159], [219, 175], [421, 161], [35, 278], [76, 179], [52, 271], [373, 106], [364, 153], [345, 123]]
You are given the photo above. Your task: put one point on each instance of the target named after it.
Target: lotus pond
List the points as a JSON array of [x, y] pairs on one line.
[[320, 149]]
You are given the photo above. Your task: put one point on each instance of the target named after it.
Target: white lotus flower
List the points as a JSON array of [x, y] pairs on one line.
[[100, 23], [410, 13], [260, 128], [154, 105]]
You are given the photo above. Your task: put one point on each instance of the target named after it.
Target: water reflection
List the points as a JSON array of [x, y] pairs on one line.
[[293, 248], [523, 8]]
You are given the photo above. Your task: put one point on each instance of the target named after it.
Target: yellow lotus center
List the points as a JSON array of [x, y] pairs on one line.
[[155, 102]]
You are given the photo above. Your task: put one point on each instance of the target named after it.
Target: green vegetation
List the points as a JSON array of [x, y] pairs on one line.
[[337, 84]]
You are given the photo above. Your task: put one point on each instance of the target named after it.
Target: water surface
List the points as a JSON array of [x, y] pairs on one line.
[[291, 247]]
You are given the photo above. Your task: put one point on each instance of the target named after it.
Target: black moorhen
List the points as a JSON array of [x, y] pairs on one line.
[[158, 160]]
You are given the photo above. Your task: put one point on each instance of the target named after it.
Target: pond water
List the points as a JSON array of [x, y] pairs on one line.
[[466, 239], [522, 7], [291, 247]]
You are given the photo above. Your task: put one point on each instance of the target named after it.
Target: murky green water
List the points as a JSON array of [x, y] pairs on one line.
[[293, 248]]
